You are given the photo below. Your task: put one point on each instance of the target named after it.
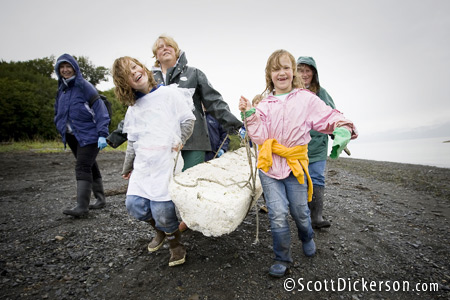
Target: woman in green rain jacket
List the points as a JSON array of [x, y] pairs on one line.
[[318, 146]]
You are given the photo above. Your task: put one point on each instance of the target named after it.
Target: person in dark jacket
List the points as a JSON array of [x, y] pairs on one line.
[[83, 128], [318, 146], [217, 136], [171, 68]]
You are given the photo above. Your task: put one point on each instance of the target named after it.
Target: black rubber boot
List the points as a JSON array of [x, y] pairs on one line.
[[99, 193], [84, 189], [316, 207]]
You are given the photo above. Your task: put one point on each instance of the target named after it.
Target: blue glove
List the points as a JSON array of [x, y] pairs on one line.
[[242, 132], [341, 138], [102, 143], [220, 152]]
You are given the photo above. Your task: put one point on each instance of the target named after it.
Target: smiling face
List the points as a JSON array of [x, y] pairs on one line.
[[306, 74], [282, 75], [165, 54], [66, 70], [138, 78]]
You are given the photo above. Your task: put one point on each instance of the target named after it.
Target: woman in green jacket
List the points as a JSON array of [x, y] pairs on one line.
[[318, 146]]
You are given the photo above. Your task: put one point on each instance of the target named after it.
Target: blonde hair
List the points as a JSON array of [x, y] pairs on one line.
[[121, 76], [257, 99], [273, 63], [169, 41]]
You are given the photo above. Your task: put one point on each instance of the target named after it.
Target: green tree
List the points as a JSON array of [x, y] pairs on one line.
[[44, 66], [90, 72], [27, 97], [118, 109], [26, 109]]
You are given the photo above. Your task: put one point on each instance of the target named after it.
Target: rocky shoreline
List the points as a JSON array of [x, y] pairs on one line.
[[390, 223]]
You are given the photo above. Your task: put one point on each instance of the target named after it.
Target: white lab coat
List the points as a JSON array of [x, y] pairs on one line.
[[153, 123]]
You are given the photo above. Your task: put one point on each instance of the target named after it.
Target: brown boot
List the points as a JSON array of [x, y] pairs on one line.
[[177, 250], [158, 239]]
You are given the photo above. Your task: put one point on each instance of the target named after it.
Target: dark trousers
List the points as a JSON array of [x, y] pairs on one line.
[[86, 167], [192, 158]]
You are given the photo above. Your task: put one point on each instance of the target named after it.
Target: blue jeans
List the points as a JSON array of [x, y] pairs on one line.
[[163, 212], [284, 196], [317, 172]]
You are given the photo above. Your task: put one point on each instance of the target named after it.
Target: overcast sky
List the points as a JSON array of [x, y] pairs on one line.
[[385, 63]]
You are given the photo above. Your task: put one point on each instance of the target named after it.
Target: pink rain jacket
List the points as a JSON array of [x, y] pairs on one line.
[[290, 121]]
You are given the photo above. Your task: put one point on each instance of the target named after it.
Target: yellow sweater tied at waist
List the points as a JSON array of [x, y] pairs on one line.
[[296, 157]]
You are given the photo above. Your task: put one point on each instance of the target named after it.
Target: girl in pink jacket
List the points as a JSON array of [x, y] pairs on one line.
[[280, 125]]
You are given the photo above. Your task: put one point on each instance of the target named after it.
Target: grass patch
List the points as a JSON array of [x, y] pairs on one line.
[[39, 146], [44, 147]]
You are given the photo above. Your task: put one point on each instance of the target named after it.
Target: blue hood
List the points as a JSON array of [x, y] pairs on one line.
[[69, 59]]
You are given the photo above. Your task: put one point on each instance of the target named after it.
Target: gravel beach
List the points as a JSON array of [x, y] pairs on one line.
[[389, 239]]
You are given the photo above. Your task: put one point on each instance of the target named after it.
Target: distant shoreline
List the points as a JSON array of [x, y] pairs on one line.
[[411, 176], [433, 151], [375, 161]]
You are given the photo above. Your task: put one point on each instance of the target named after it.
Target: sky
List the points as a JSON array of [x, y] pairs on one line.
[[385, 63]]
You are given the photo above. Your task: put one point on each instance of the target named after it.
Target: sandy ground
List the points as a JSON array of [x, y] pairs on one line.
[[390, 233]]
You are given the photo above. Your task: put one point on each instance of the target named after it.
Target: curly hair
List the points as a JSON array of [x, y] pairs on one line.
[[273, 63], [169, 41], [121, 76]]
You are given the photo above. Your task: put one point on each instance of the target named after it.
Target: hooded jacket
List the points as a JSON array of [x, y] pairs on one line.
[[72, 107], [290, 123], [189, 77], [318, 146]]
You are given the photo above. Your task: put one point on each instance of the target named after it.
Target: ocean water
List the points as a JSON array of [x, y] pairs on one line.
[[428, 151]]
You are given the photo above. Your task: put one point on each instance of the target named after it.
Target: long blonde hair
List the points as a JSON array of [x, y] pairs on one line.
[[273, 63], [169, 41], [121, 76]]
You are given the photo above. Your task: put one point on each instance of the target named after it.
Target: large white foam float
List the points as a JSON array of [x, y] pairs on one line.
[[210, 197]]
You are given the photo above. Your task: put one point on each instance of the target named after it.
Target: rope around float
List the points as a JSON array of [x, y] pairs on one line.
[[249, 183]]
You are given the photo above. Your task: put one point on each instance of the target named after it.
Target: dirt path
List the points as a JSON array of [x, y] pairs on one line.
[[390, 228]]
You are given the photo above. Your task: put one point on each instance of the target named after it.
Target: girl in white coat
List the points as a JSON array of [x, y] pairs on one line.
[[158, 122]]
